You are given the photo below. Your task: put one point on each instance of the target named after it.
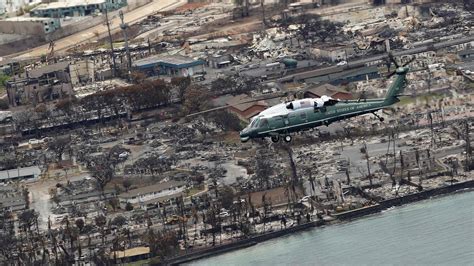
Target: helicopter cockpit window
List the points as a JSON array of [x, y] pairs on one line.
[[263, 123], [254, 123]]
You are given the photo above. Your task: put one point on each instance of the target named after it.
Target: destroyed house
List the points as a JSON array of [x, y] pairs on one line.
[[29, 26], [277, 196], [335, 78], [40, 85], [414, 161], [467, 54], [11, 199], [219, 61], [92, 196], [333, 53], [418, 159], [172, 66]]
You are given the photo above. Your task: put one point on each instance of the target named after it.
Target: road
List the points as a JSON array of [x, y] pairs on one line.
[[91, 33], [40, 198], [369, 59]]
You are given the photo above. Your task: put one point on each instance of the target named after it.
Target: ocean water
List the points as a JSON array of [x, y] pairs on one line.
[[439, 231]]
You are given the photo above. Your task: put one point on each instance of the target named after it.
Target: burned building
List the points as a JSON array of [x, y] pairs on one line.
[[29, 26], [40, 85], [333, 53], [417, 159], [219, 61]]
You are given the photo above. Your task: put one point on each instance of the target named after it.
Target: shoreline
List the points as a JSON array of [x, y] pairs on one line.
[[342, 217]]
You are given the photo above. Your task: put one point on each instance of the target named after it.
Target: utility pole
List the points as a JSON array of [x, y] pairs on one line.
[[112, 53], [149, 47], [262, 5], [429, 80], [468, 146], [366, 153], [430, 118], [124, 27]]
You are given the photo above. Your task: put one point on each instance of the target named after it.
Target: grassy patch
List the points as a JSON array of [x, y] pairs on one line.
[[406, 100], [428, 97], [231, 137], [245, 154], [138, 263], [116, 45], [195, 190]]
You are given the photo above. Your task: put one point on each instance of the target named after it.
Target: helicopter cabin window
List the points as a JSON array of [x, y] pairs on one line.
[[319, 109], [277, 120], [263, 123]]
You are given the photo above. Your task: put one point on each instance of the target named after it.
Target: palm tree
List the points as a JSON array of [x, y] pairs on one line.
[[100, 222]]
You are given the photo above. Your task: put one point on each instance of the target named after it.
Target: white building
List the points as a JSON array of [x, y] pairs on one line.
[[333, 53], [13, 6], [148, 193], [26, 173]]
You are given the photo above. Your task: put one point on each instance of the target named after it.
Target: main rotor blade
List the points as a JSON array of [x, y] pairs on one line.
[[391, 74], [209, 110], [236, 104], [390, 56]]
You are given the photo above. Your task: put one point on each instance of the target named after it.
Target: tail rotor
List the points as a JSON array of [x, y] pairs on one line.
[[391, 59]]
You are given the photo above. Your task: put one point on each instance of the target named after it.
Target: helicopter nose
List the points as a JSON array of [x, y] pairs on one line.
[[244, 136]]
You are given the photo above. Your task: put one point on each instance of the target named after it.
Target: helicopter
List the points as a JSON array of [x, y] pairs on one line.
[[285, 119]]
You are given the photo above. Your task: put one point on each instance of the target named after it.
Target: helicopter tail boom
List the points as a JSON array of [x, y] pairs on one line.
[[397, 87]]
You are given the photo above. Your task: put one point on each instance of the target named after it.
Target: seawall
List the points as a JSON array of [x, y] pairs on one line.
[[343, 216], [241, 243], [385, 204]]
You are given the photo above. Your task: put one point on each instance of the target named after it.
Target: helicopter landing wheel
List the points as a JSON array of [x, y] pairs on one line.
[[288, 138], [381, 119], [275, 139]]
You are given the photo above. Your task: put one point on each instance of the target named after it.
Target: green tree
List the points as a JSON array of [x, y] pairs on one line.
[[128, 206], [180, 84], [80, 224], [4, 104], [119, 221], [100, 221], [114, 203], [226, 120], [59, 146], [126, 183], [3, 80], [263, 172], [28, 219], [227, 197], [195, 99], [163, 244]]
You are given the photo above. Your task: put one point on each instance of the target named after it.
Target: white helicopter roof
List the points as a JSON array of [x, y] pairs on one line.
[[281, 108]]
